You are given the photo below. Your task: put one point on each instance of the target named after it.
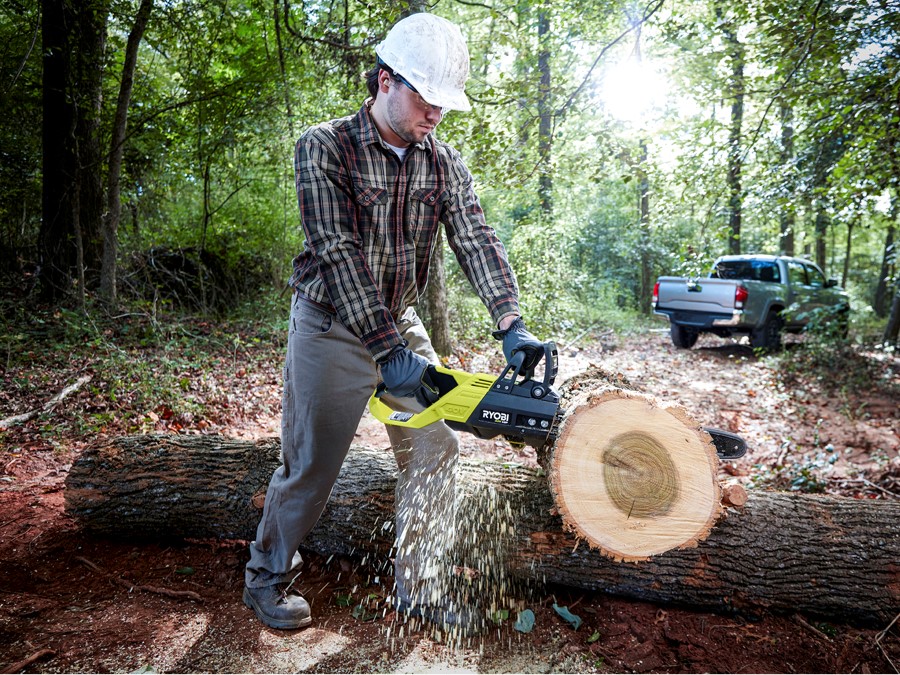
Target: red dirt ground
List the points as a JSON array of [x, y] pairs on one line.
[[75, 603]]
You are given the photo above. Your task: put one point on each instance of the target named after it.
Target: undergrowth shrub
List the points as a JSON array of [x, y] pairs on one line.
[[827, 356]]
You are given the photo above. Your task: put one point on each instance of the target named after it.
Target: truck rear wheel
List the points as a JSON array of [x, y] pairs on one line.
[[683, 338], [768, 336]]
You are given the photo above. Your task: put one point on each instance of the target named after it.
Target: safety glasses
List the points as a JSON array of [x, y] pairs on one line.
[[421, 102]]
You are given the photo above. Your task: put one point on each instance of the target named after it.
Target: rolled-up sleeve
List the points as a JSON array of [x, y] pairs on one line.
[[480, 252]]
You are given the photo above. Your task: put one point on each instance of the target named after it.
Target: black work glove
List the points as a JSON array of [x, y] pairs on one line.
[[516, 338], [405, 373]]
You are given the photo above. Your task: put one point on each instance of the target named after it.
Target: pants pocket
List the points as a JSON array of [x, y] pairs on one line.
[[308, 319]]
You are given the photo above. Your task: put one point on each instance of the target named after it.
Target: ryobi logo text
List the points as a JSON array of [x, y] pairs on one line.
[[495, 416]]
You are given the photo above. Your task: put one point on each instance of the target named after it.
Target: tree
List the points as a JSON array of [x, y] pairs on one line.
[[116, 152], [735, 53], [73, 42], [826, 154], [20, 140], [788, 212], [892, 329], [545, 117]]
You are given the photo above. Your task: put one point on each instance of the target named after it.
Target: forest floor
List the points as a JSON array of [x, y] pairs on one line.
[[72, 602]]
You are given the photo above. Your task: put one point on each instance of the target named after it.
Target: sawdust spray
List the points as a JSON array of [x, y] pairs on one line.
[[465, 562]]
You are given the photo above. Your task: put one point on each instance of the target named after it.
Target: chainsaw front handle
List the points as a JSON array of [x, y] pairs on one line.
[[515, 368]]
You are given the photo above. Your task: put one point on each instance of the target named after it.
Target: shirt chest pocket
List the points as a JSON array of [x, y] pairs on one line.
[[370, 196], [426, 205], [373, 219]]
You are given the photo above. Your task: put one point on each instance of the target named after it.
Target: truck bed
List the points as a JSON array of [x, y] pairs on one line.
[[713, 296]]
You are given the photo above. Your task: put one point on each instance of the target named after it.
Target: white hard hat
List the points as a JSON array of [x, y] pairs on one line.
[[431, 54]]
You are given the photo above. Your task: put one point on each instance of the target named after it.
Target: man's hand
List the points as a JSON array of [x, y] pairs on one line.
[[405, 373], [516, 338]]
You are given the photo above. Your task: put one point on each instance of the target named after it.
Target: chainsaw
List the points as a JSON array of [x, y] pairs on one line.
[[525, 410]]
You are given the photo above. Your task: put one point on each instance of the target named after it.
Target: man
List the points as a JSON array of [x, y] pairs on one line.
[[373, 190]]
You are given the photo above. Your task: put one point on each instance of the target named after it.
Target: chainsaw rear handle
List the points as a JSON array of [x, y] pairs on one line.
[[433, 372], [460, 392]]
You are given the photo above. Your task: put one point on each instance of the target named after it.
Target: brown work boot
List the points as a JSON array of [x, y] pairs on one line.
[[278, 606]]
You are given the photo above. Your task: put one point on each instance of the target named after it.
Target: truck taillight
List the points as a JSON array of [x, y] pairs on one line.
[[655, 293], [740, 297]]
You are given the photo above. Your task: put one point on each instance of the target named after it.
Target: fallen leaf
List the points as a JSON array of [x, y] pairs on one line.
[[572, 619], [525, 621]]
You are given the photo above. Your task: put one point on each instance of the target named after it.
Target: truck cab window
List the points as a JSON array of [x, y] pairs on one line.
[[796, 273], [768, 272], [816, 278]]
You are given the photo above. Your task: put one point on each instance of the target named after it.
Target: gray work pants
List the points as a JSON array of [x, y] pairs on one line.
[[328, 378]]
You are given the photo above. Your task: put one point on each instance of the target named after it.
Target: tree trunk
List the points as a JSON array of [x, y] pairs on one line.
[[438, 317], [646, 239], [828, 151], [735, 161], [848, 249], [822, 223], [73, 42], [892, 329], [822, 556], [788, 210], [545, 123], [116, 152], [631, 476], [56, 241], [90, 54], [888, 263]]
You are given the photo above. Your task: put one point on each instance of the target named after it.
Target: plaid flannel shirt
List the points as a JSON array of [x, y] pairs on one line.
[[370, 223]]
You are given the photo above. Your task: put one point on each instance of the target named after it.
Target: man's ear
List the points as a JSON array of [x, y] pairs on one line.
[[384, 78]]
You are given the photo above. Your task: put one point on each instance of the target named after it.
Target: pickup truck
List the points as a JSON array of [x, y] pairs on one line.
[[761, 296]]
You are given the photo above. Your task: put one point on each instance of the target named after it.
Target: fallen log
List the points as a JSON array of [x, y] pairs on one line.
[[824, 556]]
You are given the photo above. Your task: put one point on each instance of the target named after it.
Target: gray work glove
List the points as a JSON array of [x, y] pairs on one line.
[[516, 338], [405, 373]]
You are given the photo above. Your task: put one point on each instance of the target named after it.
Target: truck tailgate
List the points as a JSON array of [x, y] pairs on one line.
[[697, 295]]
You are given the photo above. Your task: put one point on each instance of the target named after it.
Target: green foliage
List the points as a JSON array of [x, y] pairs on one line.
[[20, 137], [807, 473], [213, 122], [827, 358]]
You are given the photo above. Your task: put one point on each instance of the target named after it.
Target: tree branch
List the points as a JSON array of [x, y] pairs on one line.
[[806, 52], [50, 405], [635, 26], [324, 40], [37, 30], [493, 10], [24, 663]]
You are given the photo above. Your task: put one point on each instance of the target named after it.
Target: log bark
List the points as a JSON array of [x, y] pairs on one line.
[[823, 556]]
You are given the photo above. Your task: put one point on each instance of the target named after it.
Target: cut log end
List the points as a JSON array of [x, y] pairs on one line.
[[634, 478]]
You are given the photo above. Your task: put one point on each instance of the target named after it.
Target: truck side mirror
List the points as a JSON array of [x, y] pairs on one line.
[[831, 283]]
